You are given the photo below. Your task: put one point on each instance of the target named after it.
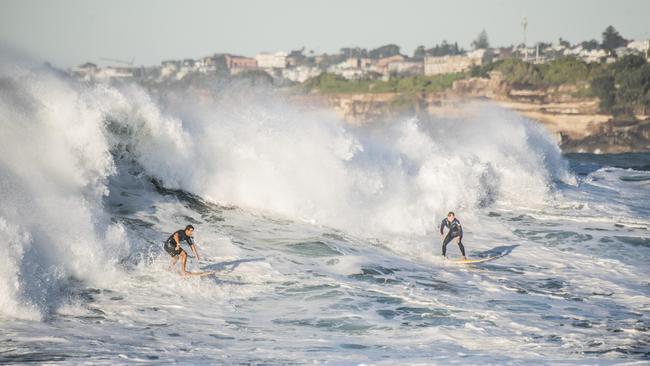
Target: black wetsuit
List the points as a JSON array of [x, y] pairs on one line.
[[170, 243], [455, 230]]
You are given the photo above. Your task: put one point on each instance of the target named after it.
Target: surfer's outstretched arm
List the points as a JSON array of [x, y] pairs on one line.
[[196, 254]]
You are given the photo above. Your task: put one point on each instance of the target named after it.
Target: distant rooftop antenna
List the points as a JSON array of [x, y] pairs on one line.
[[524, 25], [124, 62]]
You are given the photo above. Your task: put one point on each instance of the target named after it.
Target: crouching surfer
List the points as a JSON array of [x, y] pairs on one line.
[[173, 247], [455, 231]]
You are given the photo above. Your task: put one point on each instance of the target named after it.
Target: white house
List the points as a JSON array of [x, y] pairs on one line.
[[593, 55], [115, 73], [301, 73], [587, 55], [86, 71], [169, 69], [276, 60], [406, 67], [642, 46], [346, 70], [451, 64]]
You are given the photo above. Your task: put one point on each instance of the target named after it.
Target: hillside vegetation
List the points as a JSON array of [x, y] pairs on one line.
[[623, 87]]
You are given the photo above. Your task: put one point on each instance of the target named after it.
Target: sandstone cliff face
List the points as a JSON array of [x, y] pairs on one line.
[[613, 137], [575, 121], [363, 108], [375, 107]]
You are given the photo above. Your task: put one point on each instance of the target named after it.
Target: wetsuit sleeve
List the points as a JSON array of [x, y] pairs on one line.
[[460, 229], [442, 227]]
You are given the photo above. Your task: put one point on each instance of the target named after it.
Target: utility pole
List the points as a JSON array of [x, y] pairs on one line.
[[524, 24]]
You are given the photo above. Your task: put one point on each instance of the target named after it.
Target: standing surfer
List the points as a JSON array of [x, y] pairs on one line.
[[455, 231], [173, 247]]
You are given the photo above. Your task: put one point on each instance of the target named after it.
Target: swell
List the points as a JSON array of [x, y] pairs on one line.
[[69, 147]]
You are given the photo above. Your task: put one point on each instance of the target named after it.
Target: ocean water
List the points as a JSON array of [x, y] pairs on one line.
[[323, 235]]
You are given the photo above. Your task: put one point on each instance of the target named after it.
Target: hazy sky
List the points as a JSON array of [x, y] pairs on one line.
[[69, 32]]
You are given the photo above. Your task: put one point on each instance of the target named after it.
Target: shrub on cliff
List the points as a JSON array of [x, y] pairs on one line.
[[330, 83], [520, 73], [483, 71], [416, 84], [603, 87], [565, 70], [624, 87]]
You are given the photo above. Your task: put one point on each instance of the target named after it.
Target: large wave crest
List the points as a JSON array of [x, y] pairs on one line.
[[62, 141]]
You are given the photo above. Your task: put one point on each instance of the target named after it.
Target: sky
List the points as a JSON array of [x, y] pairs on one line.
[[70, 32]]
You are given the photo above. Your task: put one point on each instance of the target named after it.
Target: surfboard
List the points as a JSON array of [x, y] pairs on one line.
[[475, 261], [200, 274]]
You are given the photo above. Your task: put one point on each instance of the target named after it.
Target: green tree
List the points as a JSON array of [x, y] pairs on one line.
[[419, 53], [521, 73], [444, 49], [612, 40], [564, 42], [590, 45], [565, 70], [603, 87], [628, 63], [354, 52], [384, 51], [481, 41], [632, 77], [624, 86]]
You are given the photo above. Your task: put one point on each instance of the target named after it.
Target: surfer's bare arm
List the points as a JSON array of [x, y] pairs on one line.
[[177, 240], [193, 246]]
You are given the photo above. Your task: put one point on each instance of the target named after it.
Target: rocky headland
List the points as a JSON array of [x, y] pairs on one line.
[[573, 119]]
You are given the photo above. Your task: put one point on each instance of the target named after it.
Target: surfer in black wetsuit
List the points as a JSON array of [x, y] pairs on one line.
[[173, 246], [455, 231]]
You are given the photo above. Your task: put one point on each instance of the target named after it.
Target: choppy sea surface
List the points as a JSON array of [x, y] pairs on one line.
[[324, 236]]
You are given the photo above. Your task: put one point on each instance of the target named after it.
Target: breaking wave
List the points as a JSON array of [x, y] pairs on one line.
[[65, 142]]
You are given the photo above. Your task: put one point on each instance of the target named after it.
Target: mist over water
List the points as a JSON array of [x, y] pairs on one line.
[[324, 235], [54, 166], [257, 151]]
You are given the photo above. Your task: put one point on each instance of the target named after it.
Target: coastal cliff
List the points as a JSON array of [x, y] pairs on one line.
[[572, 118]]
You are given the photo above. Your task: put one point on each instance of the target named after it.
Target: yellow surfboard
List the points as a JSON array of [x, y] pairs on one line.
[[475, 261]]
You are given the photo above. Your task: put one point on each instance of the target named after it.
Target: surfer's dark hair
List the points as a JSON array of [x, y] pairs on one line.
[[451, 213], [189, 227]]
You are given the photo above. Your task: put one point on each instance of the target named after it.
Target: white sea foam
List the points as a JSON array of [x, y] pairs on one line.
[[54, 161], [249, 151], [268, 156], [323, 243]]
